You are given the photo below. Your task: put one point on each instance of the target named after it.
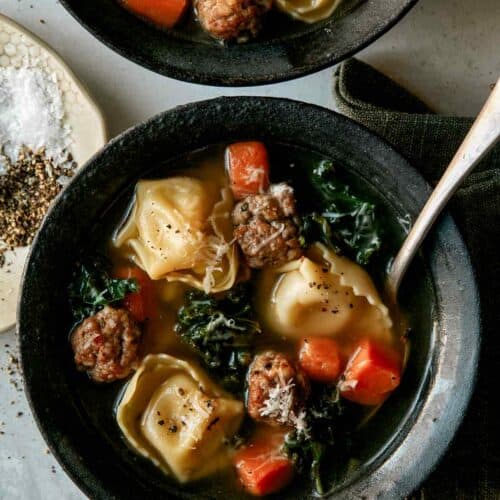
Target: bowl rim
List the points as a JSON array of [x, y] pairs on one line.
[[195, 75], [452, 370]]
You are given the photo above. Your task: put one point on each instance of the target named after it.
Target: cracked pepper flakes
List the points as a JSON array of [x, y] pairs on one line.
[[27, 187]]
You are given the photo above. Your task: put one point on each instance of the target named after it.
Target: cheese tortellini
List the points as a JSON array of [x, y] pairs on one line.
[[308, 11], [172, 413], [321, 294], [180, 230]]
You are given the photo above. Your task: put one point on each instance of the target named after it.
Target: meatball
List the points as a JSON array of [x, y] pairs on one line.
[[277, 389], [265, 229], [106, 345], [270, 244], [231, 19], [283, 193]]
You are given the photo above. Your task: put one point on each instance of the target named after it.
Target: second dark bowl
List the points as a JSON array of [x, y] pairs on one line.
[[286, 50]]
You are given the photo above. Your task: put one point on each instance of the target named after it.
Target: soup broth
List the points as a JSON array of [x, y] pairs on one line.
[[322, 294]]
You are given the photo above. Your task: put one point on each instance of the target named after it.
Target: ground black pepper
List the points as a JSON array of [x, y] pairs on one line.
[[212, 423], [27, 188]]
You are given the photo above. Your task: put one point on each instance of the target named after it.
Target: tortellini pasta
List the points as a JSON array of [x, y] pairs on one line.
[[172, 413], [322, 294], [308, 11], [180, 230]]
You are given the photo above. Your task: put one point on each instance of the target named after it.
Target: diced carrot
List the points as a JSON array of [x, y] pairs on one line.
[[166, 13], [372, 373], [320, 359], [261, 467], [247, 164], [134, 303], [142, 304]]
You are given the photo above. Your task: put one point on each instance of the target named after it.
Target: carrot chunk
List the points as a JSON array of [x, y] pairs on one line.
[[166, 13], [320, 359], [261, 467], [372, 373], [142, 304], [247, 164]]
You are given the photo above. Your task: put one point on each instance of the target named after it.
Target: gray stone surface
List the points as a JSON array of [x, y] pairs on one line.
[[446, 51]]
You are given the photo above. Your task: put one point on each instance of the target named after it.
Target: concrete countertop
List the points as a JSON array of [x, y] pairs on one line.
[[446, 51]]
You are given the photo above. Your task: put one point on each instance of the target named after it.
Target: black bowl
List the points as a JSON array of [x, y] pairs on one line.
[[288, 50], [401, 444]]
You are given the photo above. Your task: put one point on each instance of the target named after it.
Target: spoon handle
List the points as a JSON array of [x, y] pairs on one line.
[[482, 136]]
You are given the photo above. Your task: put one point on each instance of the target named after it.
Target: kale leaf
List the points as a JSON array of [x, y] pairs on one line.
[[309, 447], [221, 331], [92, 288], [346, 222]]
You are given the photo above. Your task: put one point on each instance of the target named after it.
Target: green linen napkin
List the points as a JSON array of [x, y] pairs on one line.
[[471, 468]]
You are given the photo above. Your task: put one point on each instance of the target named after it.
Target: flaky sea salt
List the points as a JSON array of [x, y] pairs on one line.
[[32, 113]]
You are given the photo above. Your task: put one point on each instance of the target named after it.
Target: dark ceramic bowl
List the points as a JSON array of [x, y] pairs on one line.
[[404, 440], [286, 49]]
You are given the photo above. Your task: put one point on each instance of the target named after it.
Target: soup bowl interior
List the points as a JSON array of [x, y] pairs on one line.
[[285, 49], [404, 440]]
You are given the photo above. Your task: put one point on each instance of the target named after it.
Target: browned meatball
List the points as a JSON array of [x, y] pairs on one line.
[[269, 244], [106, 345], [277, 389], [265, 229], [232, 19]]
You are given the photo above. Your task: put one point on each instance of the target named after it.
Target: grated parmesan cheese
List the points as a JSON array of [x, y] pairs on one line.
[[270, 238], [255, 174], [357, 352], [279, 403], [281, 188], [300, 424], [347, 385], [208, 282], [212, 253], [220, 319]]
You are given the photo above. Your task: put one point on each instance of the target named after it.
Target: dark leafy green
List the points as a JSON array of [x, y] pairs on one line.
[[92, 288], [309, 448], [221, 331], [346, 222]]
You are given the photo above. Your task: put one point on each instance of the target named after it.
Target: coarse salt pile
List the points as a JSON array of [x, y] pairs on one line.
[[32, 113], [35, 160]]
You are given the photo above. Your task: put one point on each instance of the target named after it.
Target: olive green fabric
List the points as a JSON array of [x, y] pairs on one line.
[[471, 467]]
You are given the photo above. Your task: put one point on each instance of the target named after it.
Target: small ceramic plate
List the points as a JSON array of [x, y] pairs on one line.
[[81, 113]]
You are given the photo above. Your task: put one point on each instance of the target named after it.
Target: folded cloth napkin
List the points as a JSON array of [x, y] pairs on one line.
[[471, 468]]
